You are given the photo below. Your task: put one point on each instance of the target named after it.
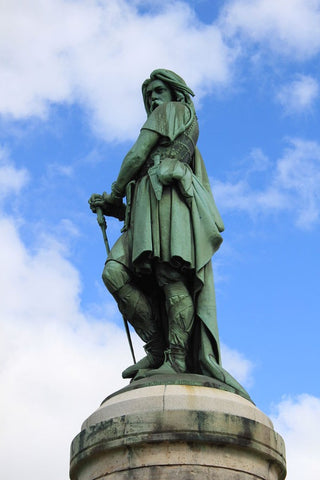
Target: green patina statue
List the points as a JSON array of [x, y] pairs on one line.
[[159, 271]]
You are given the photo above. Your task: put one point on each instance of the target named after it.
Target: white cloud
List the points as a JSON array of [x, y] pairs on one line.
[[57, 364], [292, 186], [298, 95], [236, 364], [240, 196], [289, 27], [12, 180], [98, 54], [298, 421], [298, 173], [258, 161]]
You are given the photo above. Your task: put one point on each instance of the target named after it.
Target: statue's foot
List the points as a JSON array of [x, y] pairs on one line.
[[146, 363], [175, 362], [165, 369]]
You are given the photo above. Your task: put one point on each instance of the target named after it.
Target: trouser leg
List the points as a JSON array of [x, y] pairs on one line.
[[132, 303], [180, 314], [136, 308]]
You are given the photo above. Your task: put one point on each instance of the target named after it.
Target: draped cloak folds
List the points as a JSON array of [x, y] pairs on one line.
[[181, 228]]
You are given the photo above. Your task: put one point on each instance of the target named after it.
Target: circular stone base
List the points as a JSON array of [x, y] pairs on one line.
[[177, 432], [180, 379]]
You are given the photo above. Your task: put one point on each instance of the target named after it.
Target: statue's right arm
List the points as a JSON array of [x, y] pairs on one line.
[[135, 158], [131, 164]]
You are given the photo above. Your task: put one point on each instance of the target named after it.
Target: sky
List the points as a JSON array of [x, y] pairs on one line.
[[70, 109]]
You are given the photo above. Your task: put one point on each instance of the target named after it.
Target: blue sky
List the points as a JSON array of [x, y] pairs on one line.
[[70, 108]]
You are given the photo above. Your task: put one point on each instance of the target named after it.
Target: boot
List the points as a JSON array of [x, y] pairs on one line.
[[136, 308], [154, 358], [180, 311], [175, 362]]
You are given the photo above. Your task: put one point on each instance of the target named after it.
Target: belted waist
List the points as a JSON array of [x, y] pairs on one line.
[[181, 153]]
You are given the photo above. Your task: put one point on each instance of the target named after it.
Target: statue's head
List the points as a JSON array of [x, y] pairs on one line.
[[165, 86]]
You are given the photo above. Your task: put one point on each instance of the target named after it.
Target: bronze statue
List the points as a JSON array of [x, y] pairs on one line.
[[159, 271]]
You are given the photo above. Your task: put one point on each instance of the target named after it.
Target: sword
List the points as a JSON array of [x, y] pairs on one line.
[[103, 225]]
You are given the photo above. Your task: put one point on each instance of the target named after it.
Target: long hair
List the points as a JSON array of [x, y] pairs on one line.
[[180, 91]]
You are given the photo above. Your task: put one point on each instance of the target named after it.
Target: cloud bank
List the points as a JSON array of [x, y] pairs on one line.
[[299, 95], [291, 185], [298, 421], [290, 28], [11, 180], [98, 53]]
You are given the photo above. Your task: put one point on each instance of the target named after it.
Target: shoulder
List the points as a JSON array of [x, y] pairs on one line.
[[169, 119], [170, 111]]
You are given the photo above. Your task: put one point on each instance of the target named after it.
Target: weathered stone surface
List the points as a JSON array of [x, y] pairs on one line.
[[180, 432]]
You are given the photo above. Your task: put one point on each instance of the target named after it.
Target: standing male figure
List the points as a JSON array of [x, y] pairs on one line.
[[159, 271]]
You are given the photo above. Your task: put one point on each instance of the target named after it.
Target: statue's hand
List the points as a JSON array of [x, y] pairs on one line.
[[109, 205], [96, 201], [171, 169]]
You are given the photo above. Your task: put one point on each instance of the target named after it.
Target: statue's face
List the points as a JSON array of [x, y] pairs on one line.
[[157, 93]]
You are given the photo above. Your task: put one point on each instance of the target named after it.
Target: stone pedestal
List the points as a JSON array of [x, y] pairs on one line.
[[178, 432]]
